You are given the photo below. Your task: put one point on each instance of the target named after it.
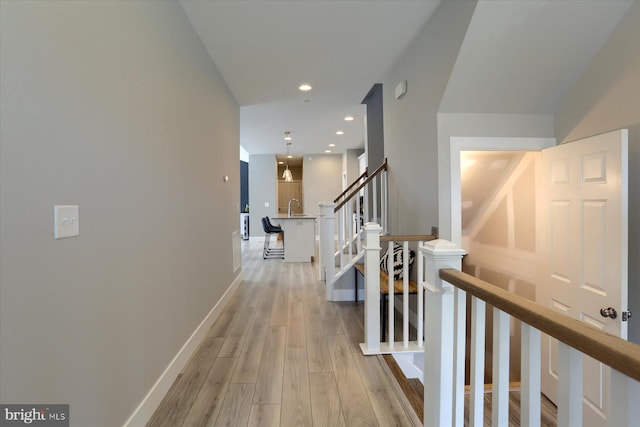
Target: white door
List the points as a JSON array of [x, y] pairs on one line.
[[581, 224]]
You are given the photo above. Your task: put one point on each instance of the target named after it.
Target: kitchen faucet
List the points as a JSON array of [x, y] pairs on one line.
[[293, 200]]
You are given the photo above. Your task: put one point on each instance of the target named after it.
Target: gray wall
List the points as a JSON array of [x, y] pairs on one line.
[[351, 164], [322, 180], [262, 189], [116, 107], [411, 143], [607, 97], [374, 123]]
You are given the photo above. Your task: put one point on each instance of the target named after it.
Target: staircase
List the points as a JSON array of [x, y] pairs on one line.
[[341, 224]]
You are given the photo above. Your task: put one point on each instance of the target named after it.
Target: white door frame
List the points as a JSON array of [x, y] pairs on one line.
[[471, 143]]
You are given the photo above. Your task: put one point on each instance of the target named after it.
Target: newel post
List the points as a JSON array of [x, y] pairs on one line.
[[439, 331], [326, 232], [372, 233]]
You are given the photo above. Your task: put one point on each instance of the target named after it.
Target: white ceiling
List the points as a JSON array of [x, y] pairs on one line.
[[518, 57], [266, 49]]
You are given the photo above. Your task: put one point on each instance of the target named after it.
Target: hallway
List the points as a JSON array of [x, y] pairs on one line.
[[280, 355]]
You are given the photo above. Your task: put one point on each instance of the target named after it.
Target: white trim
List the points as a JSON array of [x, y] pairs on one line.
[[458, 144], [142, 414], [398, 347], [346, 295], [406, 362]]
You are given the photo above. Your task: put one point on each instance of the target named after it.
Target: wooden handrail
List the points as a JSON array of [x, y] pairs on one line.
[[357, 180], [370, 178], [411, 237], [621, 355]]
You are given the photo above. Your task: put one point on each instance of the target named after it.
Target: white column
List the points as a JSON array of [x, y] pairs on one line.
[[326, 224], [372, 233], [438, 326]]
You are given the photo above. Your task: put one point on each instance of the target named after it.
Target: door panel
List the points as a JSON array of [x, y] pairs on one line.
[[582, 250]]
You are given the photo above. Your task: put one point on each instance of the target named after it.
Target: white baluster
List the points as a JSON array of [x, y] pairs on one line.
[[420, 279], [365, 191], [405, 293], [569, 386], [384, 201], [530, 376], [390, 297], [374, 186], [476, 399], [350, 222], [372, 289], [625, 410], [500, 376], [460, 328], [341, 238], [438, 324]]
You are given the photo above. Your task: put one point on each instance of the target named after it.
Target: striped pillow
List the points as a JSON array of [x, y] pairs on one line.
[[397, 261]]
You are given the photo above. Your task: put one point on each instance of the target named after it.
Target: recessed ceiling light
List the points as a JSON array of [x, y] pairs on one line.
[[332, 145], [305, 87], [289, 156], [339, 132], [348, 118], [287, 138], [327, 151], [280, 162]]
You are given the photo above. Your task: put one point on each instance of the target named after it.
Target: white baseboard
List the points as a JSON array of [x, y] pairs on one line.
[[407, 362], [151, 401], [346, 295]]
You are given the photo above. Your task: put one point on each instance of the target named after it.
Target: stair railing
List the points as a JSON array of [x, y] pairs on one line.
[[374, 244], [446, 289], [341, 223]]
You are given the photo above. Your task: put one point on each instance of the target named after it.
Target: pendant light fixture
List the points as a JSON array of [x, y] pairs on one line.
[[286, 175]]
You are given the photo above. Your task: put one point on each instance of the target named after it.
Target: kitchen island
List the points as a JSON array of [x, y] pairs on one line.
[[299, 236]]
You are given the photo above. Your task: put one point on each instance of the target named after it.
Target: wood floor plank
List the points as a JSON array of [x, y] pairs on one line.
[[295, 324], [385, 403], [318, 354], [176, 405], [296, 400], [209, 400], [236, 407], [270, 374], [237, 333], [222, 324], [356, 407], [351, 317], [313, 325], [251, 354], [264, 416], [330, 321], [280, 305], [310, 296], [325, 403]]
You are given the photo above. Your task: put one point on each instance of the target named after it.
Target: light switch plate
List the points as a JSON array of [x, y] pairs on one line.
[[67, 221]]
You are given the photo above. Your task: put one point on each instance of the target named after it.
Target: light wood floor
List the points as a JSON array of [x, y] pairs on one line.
[[280, 355]]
